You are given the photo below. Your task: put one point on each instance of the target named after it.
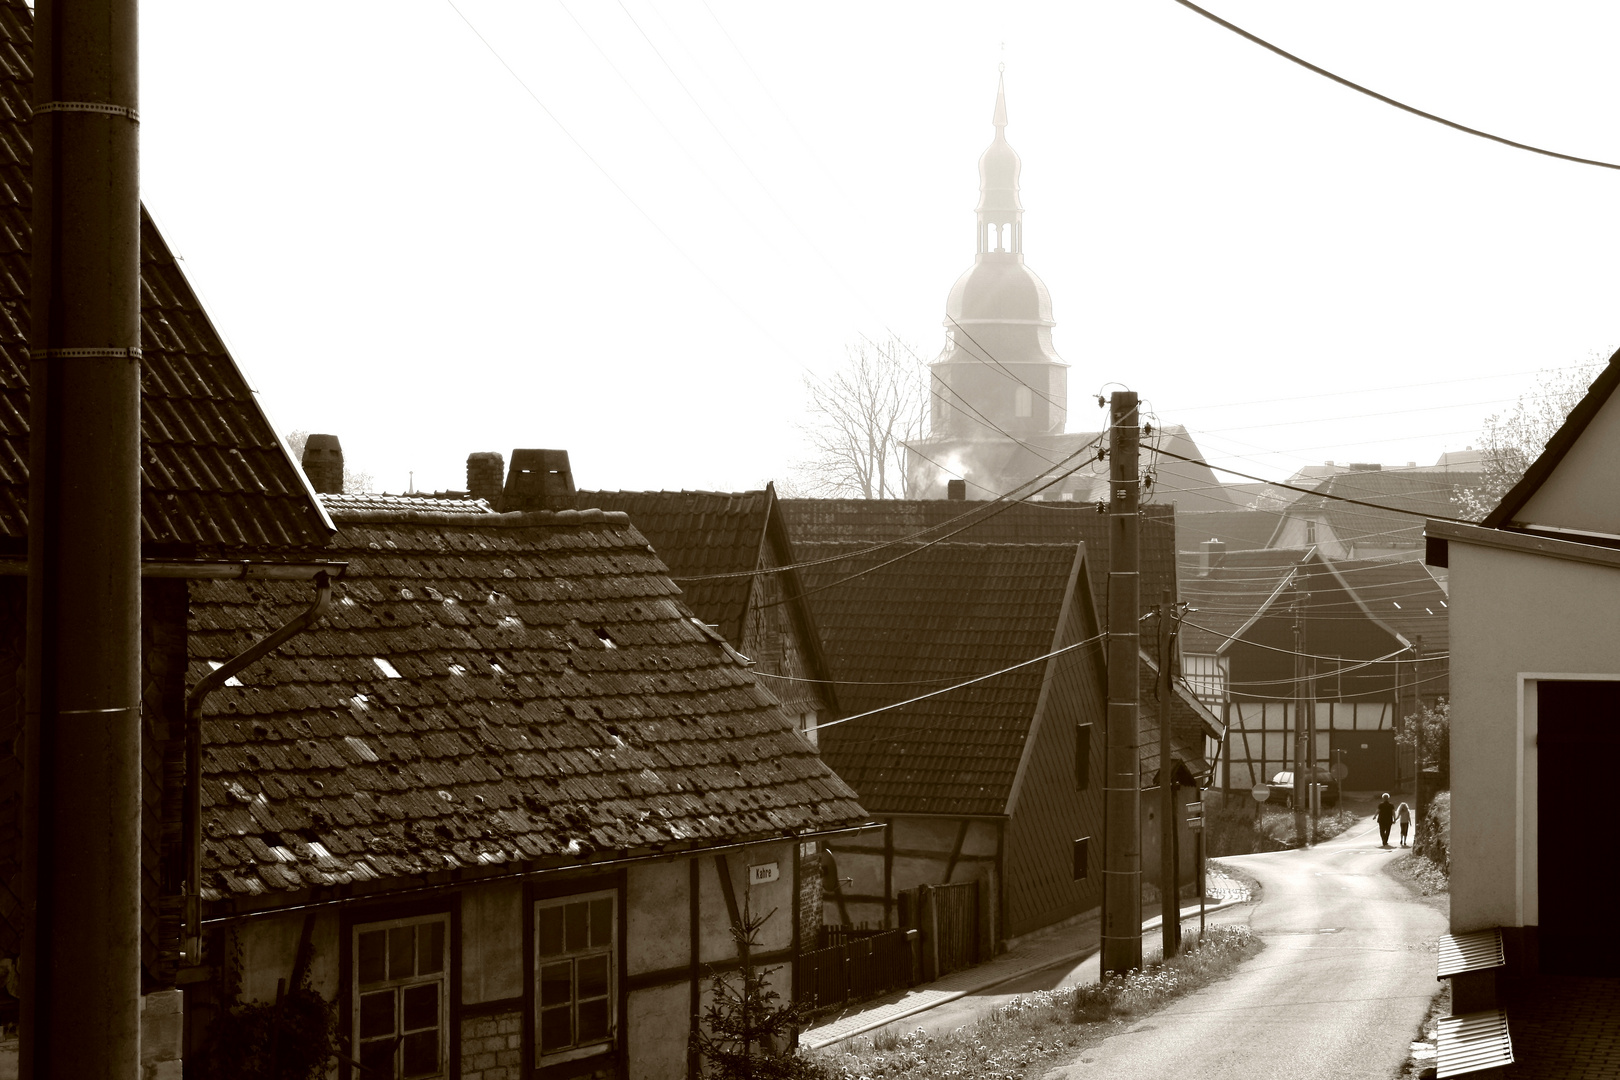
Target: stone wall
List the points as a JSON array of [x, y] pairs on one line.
[[492, 1047]]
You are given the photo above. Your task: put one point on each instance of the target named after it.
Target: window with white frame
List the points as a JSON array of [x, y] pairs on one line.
[[401, 997], [574, 972], [1207, 675]]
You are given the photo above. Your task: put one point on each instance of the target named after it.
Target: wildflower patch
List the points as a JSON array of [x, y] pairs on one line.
[[1023, 1037]]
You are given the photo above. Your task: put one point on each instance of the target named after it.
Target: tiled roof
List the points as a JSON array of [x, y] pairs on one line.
[[941, 615], [698, 533], [429, 504], [506, 688], [1400, 594], [1403, 596], [1239, 530], [872, 521], [1224, 602], [1409, 498], [215, 479]]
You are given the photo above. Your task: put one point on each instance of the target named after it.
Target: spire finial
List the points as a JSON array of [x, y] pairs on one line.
[[1000, 119]]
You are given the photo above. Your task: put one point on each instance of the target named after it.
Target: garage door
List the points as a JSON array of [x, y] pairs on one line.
[[1578, 739]]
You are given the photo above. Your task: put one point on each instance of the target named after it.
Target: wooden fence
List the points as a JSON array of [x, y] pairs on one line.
[[860, 964], [948, 916]]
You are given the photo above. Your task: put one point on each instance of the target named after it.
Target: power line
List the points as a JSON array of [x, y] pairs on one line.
[[620, 188], [1386, 99], [1310, 656], [1310, 491], [1371, 390], [960, 685], [992, 508]]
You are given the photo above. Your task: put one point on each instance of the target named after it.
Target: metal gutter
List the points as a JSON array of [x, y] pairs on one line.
[[214, 571], [523, 875]]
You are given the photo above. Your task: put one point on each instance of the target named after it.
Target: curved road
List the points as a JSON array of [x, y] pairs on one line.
[[1341, 988]]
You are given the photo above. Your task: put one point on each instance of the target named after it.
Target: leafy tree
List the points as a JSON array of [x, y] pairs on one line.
[[746, 1034], [1509, 441], [1435, 723], [860, 418]]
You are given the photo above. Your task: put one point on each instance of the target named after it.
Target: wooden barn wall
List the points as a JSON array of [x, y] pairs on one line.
[[1050, 814], [872, 868], [773, 637]]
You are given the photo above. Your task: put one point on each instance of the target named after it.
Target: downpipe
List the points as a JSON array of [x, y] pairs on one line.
[[191, 815]]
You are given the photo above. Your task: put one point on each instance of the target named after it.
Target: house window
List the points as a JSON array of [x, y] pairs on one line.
[[574, 971], [807, 727], [1023, 401], [401, 1003], [1207, 675]]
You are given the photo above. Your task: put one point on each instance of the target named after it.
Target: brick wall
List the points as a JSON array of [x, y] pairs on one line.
[[492, 1047]]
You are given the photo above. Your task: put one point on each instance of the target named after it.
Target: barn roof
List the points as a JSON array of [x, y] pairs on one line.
[[698, 534], [940, 615], [215, 478], [876, 521], [507, 688]]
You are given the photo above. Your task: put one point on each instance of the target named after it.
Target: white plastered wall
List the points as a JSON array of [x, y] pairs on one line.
[[1515, 618]]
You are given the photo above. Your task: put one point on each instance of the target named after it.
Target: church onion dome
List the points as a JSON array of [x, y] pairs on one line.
[[999, 290]]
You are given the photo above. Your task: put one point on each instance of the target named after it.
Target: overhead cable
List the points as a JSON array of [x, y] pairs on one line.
[[960, 685], [1386, 99]]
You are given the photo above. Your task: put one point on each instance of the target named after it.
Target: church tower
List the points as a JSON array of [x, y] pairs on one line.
[[998, 368]]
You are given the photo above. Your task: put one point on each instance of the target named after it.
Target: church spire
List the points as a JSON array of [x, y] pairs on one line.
[[1001, 226]]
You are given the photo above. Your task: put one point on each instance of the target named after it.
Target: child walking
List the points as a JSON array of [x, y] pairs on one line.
[[1403, 814]]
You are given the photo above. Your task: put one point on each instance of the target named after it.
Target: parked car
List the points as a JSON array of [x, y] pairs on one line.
[[1282, 788]]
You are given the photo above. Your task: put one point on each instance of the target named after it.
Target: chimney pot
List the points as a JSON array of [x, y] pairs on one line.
[[539, 480], [323, 464], [486, 476], [956, 490]]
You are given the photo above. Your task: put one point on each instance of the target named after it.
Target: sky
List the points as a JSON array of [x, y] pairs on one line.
[[630, 229]]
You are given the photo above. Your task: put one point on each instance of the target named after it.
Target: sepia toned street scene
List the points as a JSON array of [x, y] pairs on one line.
[[571, 541]]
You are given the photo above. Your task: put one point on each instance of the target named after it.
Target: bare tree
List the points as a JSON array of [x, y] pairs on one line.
[[354, 481], [860, 418], [1510, 441]]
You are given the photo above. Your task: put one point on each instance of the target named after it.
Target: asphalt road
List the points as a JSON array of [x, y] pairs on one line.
[[1341, 988]]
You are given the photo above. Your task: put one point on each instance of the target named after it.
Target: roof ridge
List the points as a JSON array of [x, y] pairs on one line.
[[516, 519]]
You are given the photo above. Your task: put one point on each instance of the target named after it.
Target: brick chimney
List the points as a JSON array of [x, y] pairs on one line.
[[486, 475], [539, 480], [1210, 554], [323, 464], [956, 490]]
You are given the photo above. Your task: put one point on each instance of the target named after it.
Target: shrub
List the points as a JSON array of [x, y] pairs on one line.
[[1436, 831]]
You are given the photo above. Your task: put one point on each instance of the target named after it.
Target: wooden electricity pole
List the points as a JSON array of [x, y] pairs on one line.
[[81, 965], [1122, 851], [1170, 900], [1302, 789]]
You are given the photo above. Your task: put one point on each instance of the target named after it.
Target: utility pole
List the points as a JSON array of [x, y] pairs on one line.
[[1122, 852], [1169, 890], [82, 793], [1302, 787], [1417, 764]]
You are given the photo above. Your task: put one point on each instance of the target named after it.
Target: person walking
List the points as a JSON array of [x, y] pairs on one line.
[[1386, 818], [1403, 814]]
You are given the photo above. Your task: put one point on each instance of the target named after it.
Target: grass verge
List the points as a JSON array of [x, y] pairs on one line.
[[1428, 878], [1420, 1059], [1232, 827], [1024, 1035]]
